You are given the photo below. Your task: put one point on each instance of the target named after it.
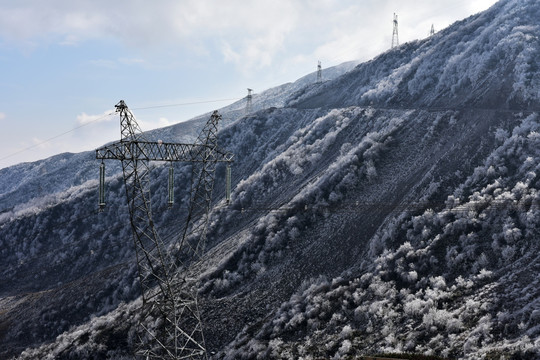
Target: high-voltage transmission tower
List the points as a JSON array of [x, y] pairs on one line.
[[170, 325], [249, 101], [395, 37], [319, 73], [432, 31]]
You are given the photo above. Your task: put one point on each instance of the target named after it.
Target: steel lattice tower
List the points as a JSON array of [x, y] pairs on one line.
[[319, 73], [170, 325], [249, 99], [395, 36]]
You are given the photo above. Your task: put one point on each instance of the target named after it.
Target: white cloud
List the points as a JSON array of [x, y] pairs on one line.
[[271, 42], [250, 34], [255, 53], [362, 30], [70, 40], [229, 54], [147, 125], [255, 30], [145, 23], [104, 63], [131, 61], [164, 122], [41, 144], [113, 64], [84, 118]]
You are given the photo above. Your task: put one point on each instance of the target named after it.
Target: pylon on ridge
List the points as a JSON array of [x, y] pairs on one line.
[[395, 36], [249, 99]]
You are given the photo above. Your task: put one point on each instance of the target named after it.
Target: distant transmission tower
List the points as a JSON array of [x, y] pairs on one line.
[[249, 99], [395, 37], [319, 73], [170, 325], [432, 31]]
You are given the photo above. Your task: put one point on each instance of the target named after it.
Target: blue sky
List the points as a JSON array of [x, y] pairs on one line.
[[64, 64]]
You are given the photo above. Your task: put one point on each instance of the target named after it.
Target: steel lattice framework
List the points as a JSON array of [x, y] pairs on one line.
[[395, 35], [170, 325]]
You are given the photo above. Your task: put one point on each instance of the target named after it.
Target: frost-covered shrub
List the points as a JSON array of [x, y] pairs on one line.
[[352, 164]]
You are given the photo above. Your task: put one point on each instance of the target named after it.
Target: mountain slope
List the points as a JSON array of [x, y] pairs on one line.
[[79, 263], [489, 60], [394, 208]]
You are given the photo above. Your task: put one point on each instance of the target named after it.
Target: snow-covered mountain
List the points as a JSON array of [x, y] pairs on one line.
[[393, 208]]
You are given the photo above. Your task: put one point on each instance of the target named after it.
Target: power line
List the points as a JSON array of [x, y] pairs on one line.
[[455, 5], [55, 137], [109, 114], [186, 103], [435, 14], [345, 207], [362, 207], [427, 108], [182, 330], [176, 104], [341, 207]]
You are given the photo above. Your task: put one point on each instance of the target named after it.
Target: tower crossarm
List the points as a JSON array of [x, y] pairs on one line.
[[159, 151]]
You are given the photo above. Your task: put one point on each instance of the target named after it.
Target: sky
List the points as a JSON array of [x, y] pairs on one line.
[[64, 64]]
